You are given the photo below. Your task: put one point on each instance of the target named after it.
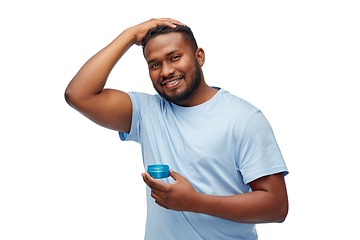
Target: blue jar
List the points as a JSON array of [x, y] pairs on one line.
[[159, 171]]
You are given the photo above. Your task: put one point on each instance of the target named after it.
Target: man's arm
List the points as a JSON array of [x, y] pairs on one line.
[[266, 203], [106, 107]]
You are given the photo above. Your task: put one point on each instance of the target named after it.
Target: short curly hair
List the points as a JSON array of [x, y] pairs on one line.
[[165, 29]]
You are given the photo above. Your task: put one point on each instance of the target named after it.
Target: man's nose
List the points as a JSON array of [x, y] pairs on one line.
[[167, 70]]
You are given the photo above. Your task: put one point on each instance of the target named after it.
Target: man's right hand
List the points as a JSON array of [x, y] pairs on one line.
[[141, 29]]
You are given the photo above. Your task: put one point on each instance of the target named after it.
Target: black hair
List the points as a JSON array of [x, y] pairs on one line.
[[164, 29]]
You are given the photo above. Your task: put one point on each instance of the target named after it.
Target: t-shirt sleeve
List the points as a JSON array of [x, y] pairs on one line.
[[259, 152], [133, 134], [141, 102]]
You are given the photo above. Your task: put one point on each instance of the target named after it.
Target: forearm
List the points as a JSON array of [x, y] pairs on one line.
[[253, 207], [91, 78]]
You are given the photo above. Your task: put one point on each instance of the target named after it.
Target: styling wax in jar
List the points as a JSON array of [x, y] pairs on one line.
[[159, 171]]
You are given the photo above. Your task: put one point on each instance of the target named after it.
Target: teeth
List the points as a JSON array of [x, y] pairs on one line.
[[172, 82]]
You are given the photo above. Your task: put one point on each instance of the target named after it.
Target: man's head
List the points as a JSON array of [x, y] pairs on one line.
[[174, 62]]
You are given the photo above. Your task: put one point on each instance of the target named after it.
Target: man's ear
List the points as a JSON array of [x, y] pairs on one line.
[[200, 56]]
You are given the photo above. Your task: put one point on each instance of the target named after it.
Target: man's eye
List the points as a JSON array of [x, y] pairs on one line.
[[155, 65], [174, 58]]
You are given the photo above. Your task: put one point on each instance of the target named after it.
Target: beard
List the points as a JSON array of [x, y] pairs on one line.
[[181, 96]]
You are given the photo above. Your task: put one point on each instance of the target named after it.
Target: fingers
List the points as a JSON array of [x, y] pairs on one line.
[[141, 29], [170, 22], [156, 193], [174, 175], [161, 204], [148, 180], [153, 183]]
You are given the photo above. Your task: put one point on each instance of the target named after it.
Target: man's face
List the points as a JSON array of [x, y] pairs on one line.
[[173, 67]]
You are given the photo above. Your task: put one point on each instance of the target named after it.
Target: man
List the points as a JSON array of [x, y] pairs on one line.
[[227, 170]]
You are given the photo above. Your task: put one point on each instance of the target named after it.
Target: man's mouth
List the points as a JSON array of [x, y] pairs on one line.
[[172, 83]]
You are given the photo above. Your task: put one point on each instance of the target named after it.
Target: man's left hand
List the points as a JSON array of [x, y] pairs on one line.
[[179, 196]]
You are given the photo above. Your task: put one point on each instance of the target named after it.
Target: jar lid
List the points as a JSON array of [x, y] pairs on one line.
[[159, 171]]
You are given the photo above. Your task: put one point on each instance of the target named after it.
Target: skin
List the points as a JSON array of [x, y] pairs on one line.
[[170, 58]]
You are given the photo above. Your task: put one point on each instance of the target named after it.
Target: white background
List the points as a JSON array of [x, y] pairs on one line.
[[64, 177]]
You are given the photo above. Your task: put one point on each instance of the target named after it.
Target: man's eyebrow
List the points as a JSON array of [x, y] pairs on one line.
[[151, 61], [168, 54], [171, 53]]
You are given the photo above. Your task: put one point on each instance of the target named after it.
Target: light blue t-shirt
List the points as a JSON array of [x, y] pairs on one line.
[[219, 146]]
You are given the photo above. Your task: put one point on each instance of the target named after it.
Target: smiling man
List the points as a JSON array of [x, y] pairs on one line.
[[227, 170]]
